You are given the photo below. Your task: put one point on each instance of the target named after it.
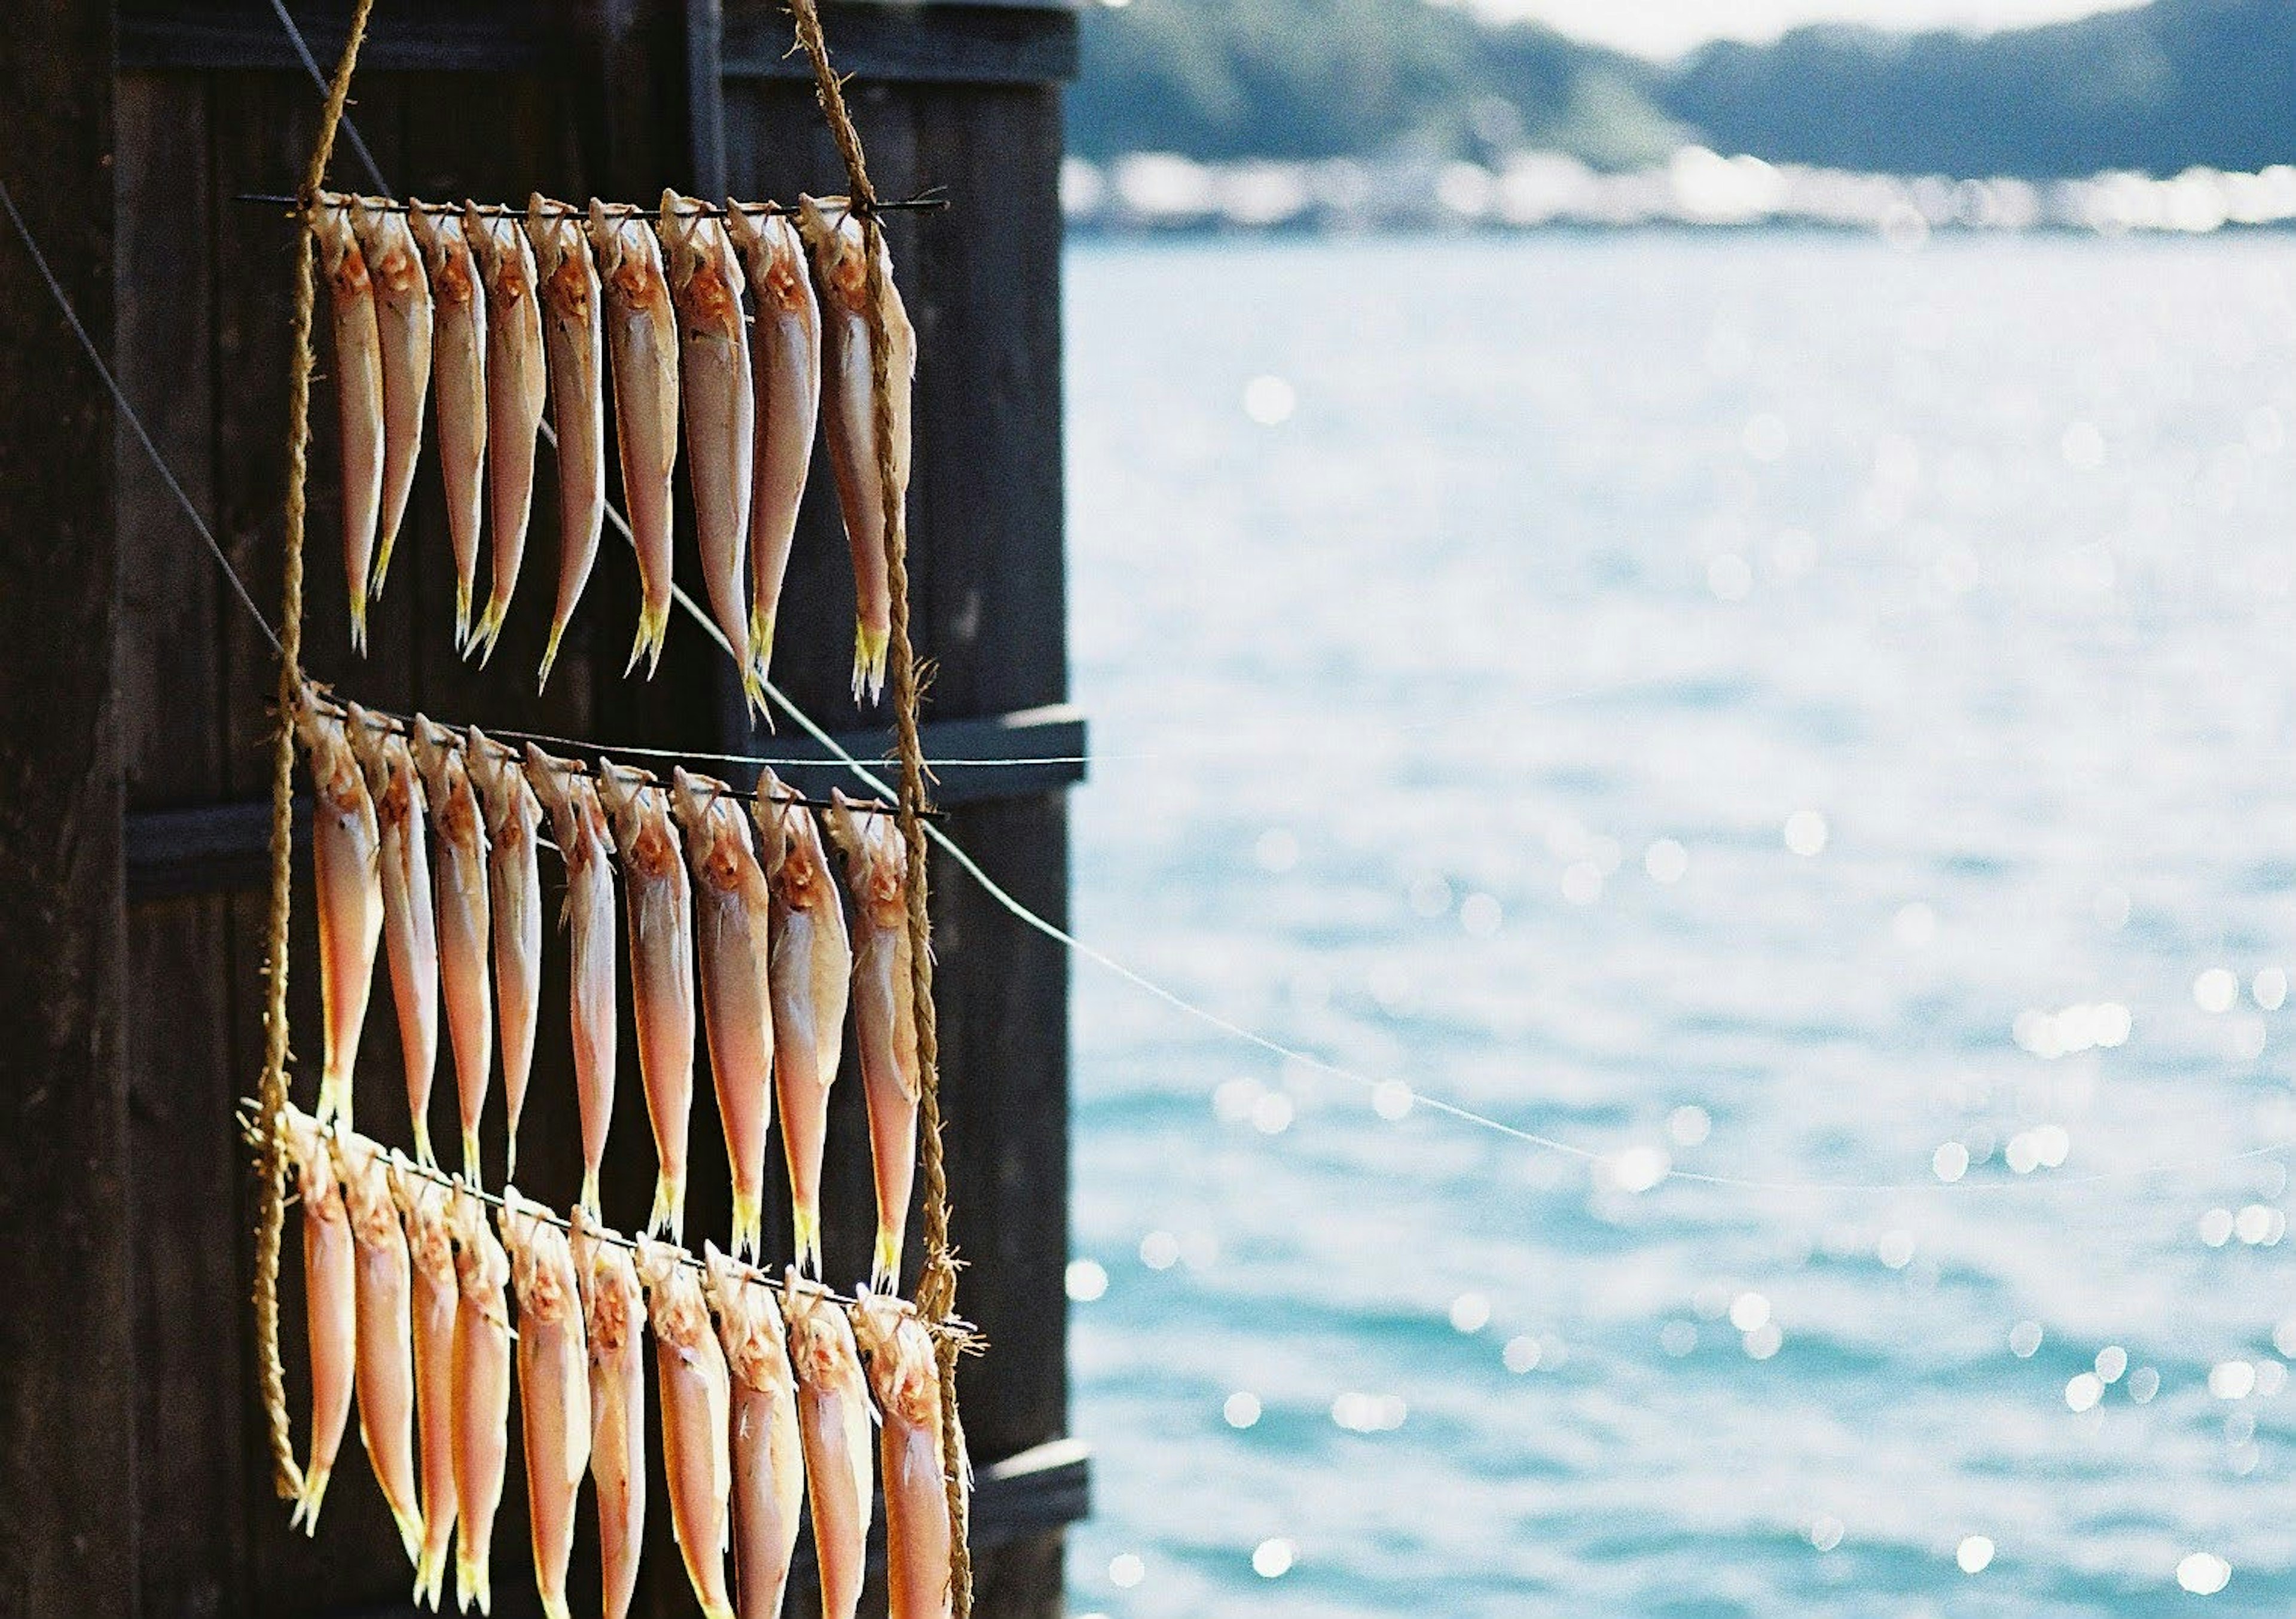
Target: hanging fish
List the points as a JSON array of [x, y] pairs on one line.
[[465, 916], [346, 857], [410, 933], [643, 333], [403, 321], [516, 384], [431, 1252], [482, 1356], [812, 970], [614, 1312], [331, 1305], [554, 1389], [384, 1293], [695, 1419], [884, 1014], [768, 1456], [906, 1379], [458, 379], [515, 877], [359, 394], [841, 262], [573, 332], [578, 827], [832, 1414], [705, 284], [785, 367], [731, 906], [662, 973]]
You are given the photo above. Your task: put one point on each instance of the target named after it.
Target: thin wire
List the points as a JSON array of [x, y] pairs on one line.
[[929, 201], [135, 423]]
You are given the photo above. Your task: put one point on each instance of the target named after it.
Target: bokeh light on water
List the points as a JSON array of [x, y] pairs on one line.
[[1778, 709]]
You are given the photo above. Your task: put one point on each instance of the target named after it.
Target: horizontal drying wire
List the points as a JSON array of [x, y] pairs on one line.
[[1068, 941], [927, 201]]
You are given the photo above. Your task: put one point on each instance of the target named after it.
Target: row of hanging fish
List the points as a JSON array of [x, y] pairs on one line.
[[495, 314], [737, 894], [408, 1292]]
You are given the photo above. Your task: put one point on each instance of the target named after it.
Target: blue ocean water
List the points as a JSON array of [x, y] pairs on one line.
[[1765, 706]]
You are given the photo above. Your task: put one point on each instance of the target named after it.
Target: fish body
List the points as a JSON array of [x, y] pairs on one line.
[[436, 1296], [613, 1311], [554, 1389], [573, 331], [358, 393], [695, 1419], [811, 977], [833, 1412], [906, 1377], [660, 904], [346, 858], [481, 1394], [642, 331], [578, 827], [331, 1304], [458, 383], [768, 1456], [465, 912], [732, 908], [384, 1292], [884, 1014], [514, 884], [785, 371], [516, 385], [410, 933], [841, 266], [713, 365], [403, 324]]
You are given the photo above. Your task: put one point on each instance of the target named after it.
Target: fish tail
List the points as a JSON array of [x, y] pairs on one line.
[[590, 1191], [334, 1099], [668, 1208], [462, 615], [808, 1223], [885, 1268], [470, 1158], [429, 1574], [382, 567], [761, 639], [490, 630], [510, 1167], [410, 1533], [422, 1153], [868, 660], [753, 688], [748, 1226], [470, 1581], [653, 629], [555, 1607], [550, 655], [358, 616], [307, 1501]]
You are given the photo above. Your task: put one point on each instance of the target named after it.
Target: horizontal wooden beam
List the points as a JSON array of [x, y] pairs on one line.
[[979, 42], [225, 848]]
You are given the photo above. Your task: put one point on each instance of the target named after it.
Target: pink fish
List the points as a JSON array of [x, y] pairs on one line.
[[574, 336], [458, 379], [515, 877], [833, 1413], [578, 826], [906, 1379], [643, 333], [554, 1389], [330, 1302], [384, 1290], [662, 973], [713, 365], [732, 905], [482, 1360], [884, 1014], [464, 913], [410, 932], [785, 368], [516, 385], [403, 321], [359, 394], [695, 1419], [615, 1313], [811, 977], [767, 1453], [346, 857], [436, 1296]]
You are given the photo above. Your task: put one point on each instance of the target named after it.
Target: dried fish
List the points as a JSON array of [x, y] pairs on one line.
[[330, 1302], [346, 856], [662, 973], [458, 379], [643, 334], [554, 1389], [403, 320], [785, 367], [705, 284], [833, 1410], [574, 335], [840, 263], [410, 931], [695, 1419], [614, 1312], [514, 877], [811, 977], [437, 1294], [359, 394], [482, 1360], [515, 386], [384, 1293], [769, 1455], [578, 826], [731, 906], [884, 1015], [465, 915], [906, 1380]]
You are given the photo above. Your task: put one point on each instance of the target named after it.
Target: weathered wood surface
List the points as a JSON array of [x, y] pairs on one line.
[[606, 105]]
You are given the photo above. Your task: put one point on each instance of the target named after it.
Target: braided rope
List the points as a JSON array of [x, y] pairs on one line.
[[271, 1158], [936, 1287]]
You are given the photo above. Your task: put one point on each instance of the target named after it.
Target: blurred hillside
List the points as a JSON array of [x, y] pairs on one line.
[[2172, 85]]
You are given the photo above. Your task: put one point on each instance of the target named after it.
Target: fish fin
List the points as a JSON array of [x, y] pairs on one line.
[[806, 1222], [430, 1571], [382, 567], [761, 639], [470, 1158], [309, 1499], [358, 616], [550, 656], [462, 616], [410, 1533], [748, 1227], [885, 1268], [469, 1578], [490, 630], [653, 629], [868, 661], [668, 1209]]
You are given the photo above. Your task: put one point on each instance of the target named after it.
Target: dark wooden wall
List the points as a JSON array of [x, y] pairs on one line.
[[492, 99]]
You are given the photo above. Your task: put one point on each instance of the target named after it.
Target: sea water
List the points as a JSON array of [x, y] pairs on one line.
[[1763, 706]]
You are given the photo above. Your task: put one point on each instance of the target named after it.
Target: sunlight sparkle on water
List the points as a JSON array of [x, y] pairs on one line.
[[1160, 1250], [2083, 1391], [2025, 1339], [2215, 990], [1522, 1354], [1391, 1099], [1470, 1312], [1241, 1409], [1270, 401], [1086, 1280], [1950, 1162], [1974, 1554], [1689, 1125], [1826, 1532], [1271, 1559], [1125, 1570], [1806, 833], [2112, 1361], [1665, 861], [2204, 1573]]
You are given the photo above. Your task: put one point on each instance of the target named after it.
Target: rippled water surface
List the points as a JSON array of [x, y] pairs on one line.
[[1767, 707]]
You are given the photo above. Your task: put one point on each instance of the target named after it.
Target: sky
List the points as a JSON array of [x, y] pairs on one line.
[[1667, 28]]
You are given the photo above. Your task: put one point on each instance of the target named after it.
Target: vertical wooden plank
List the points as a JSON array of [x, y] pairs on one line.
[[67, 1359]]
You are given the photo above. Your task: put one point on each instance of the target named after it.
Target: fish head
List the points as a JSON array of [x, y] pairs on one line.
[[340, 258], [562, 256], [840, 245], [821, 1346], [765, 813], [365, 737], [750, 1323], [388, 241], [303, 1141], [506, 262], [802, 881], [673, 1290], [445, 252], [423, 1210], [705, 277], [334, 767], [902, 1373], [542, 1265], [613, 1305], [480, 1265], [781, 282], [552, 782], [434, 750]]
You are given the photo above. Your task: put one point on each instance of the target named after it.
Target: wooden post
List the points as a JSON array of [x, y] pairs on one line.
[[67, 1365]]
